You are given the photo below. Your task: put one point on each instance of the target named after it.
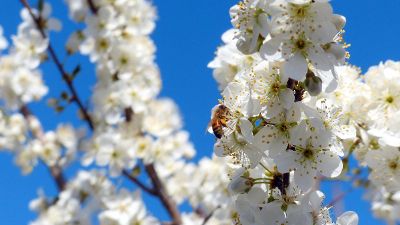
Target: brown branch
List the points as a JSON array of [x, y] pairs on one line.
[[339, 197], [92, 6], [208, 217], [139, 183], [55, 171], [60, 67], [58, 177], [165, 199]]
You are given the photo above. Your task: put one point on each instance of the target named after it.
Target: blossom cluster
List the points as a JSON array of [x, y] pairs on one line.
[[132, 127], [131, 123], [372, 109], [286, 119], [84, 195], [20, 84], [274, 120]]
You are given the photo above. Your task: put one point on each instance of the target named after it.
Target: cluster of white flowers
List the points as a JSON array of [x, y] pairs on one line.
[[274, 120], [20, 79], [86, 195], [131, 123], [372, 109], [286, 119], [132, 126], [20, 84]]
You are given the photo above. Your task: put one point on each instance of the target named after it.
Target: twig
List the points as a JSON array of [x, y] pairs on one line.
[[55, 171], [60, 67], [339, 197], [165, 199], [58, 176], [208, 217], [342, 195], [92, 6], [139, 183], [200, 212]]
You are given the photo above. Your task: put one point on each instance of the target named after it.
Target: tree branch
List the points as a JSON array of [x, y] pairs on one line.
[[139, 183], [339, 197], [208, 217], [92, 6], [58, 176], [60, 67], [165, 199]]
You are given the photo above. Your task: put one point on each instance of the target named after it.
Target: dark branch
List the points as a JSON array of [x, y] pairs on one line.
[[58, 176], [60, 67], [92, 6], [339, 198], [208, 217], [166, 200], [139, 183]]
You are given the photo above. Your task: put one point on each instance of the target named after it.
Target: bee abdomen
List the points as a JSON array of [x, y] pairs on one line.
[[218, 131]]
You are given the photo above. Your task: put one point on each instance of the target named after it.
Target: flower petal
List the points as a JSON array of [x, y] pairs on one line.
[[348, 218], [329, 164], [296, 67]]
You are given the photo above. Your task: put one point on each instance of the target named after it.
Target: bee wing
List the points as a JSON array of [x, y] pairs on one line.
[[209, 128]]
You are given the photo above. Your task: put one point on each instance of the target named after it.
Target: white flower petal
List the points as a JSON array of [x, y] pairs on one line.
[[348, 218], [270, 50], [329, 164], [296, 67]]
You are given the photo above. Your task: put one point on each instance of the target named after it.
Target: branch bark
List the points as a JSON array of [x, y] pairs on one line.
[[139, 183], [92, 6], [208, 217], [165, 199], [60, 67]]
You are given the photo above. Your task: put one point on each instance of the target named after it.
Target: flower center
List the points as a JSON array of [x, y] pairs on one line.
[[300, 44], [300, 11], [275, 87], [393, 165], [283, 127], [115, 155], [308, 153], [389, 99], [373, 144]]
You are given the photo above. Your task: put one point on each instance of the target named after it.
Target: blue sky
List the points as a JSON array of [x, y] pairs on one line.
[[186, 36]]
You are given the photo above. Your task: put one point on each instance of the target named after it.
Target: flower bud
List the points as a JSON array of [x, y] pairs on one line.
[[313, 84], [339, 21]]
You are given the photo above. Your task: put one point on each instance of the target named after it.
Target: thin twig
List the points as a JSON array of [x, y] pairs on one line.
[[92, 6], [339, 197], [139, 183], [58, 176], [60, 67], [165, 199], [55, 171], [208, 217]]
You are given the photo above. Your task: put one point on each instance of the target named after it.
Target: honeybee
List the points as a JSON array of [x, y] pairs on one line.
[[219, 120]]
